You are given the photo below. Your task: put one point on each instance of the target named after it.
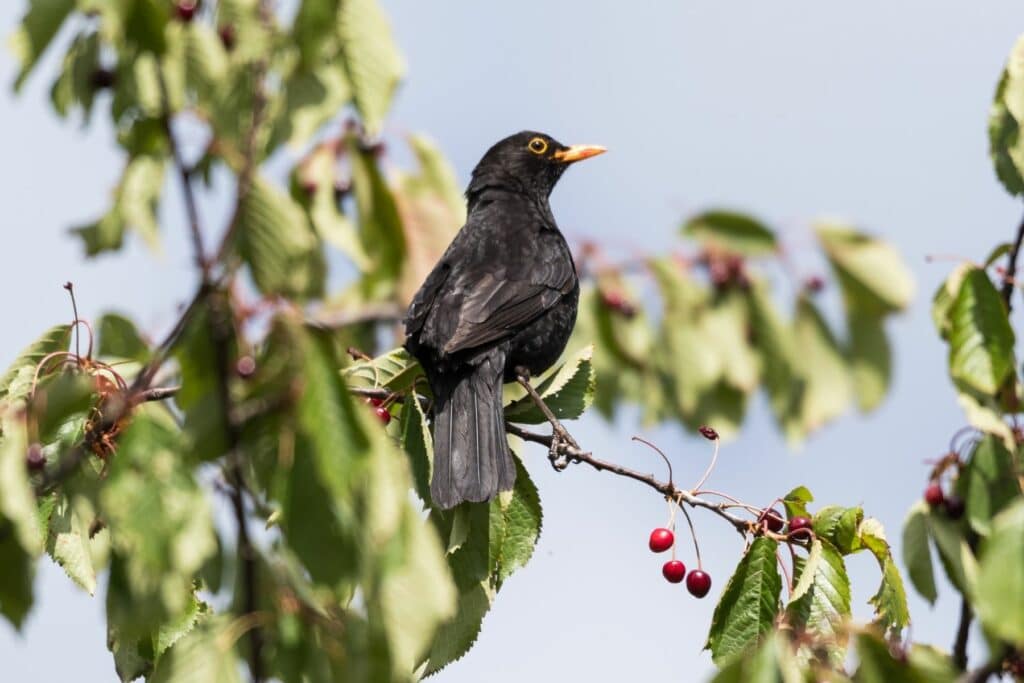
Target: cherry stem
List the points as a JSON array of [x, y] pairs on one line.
[[659, 452], [711, 466], [74, 309], [785, 571], [693, 532]]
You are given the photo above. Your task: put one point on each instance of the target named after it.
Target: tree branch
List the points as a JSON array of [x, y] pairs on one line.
[[570, 454], [1011, 268], [191, 207], [962, 633]]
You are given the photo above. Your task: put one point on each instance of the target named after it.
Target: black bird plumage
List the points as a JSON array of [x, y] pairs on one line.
[[503, 297]]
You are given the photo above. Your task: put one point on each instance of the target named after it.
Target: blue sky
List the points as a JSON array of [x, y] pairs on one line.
[[875, 112]]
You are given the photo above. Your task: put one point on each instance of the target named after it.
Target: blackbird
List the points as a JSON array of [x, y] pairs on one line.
[[501, 302]]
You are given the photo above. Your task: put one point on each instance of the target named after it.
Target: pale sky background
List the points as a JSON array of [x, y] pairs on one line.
[[872, 111]]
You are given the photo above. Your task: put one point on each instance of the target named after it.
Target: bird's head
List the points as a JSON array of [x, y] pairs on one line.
[[527, 161]]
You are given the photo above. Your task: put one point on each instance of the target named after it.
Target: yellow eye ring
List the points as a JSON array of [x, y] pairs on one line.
[[538, 145]]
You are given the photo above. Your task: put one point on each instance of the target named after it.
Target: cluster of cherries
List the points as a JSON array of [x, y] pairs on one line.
[[380, 410], [185, 11], [698, 582]]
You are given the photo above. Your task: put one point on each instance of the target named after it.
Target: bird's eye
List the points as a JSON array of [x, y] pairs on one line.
[[538, 145]]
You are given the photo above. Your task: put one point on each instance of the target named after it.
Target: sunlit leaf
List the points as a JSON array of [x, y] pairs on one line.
[[40, 24], [749, 603], [16, 381], [1000, 585], [916, 555], [873, 277], [371, 59], [730, 231], [980, 338]]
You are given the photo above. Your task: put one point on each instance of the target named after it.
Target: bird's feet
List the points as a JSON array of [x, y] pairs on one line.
[[563, 445]]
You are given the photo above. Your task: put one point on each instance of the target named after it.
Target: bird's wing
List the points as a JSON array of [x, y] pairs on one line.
[[501, 302], [424, 299]]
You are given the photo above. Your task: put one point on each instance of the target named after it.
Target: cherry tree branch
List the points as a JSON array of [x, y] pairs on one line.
[[1011, 267], [570, 454]]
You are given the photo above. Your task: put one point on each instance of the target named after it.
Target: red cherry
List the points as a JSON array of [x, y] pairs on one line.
[[698, 583], [383, 414], [245, 367], [933, 494], [227, 36], [375, 402], [186, 9], [800, 527], [673, 571], [773, 519], [708, 433], [661, 540], [34, 459]]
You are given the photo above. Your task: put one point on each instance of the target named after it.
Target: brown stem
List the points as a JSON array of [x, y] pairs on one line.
[[191, 207], [1011, 267], [962, 632], [577, 455]]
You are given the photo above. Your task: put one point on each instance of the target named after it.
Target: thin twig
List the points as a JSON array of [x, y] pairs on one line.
[[576, 454], [962, 632], [1011, 268], [191, 208], [157, 394]]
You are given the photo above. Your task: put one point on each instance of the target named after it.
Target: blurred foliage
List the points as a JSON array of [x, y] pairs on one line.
[[339, 568]]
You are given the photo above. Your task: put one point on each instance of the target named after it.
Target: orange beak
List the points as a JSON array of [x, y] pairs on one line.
[[578, 153]]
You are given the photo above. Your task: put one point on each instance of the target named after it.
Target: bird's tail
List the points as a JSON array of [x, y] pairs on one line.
[[472, 461]]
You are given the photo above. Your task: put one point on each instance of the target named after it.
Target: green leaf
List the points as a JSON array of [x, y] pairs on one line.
[[205, 423], [21, 541], [432, 209], [118, 338], [987, 483], [890, 601], [769, 662], [68, 545], [418, 445], [942, 302], [136, 203], [470, 564], [161, 526], [205, 60], [870, 359], [954, 552], [821, 599], [36, 31], [205, 654], [396, 370], [16, 381], [827, 380], [732, 232], [568, 391], [75, 85], [839, 526], [873, 277], [776, 343], [371, 59], [311, 99], [916, 555], [379, 222], [319, 171], [1005, 144], [144, 24], [314, 22], [276, 242], [61, 398], [999, 589], [515, 527], [878, 665], [749, 602], [981, 339], [796, 501]]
